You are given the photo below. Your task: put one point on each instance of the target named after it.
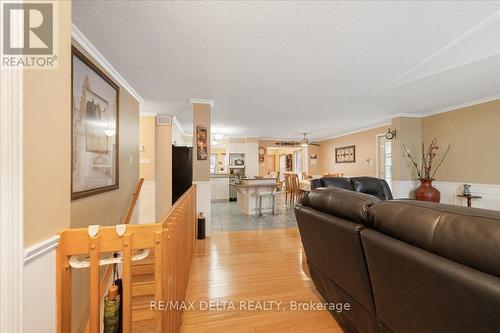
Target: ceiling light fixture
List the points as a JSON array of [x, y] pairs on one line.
[[109, 130], [216, 138]]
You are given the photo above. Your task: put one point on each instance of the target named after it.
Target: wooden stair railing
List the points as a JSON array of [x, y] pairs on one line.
[[172, 241], [125, 220]]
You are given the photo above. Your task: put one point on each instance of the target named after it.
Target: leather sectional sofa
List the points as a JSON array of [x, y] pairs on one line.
[[369, 185], [403, 266]]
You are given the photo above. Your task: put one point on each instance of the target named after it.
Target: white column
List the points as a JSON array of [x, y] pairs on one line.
[[11, 200]]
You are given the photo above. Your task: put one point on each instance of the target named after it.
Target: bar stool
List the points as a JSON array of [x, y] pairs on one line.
[[273, 194]]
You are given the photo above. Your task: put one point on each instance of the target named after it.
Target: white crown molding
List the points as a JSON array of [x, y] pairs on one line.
[[11, 199], [461, 106], [87, 45], [201, 101], [385, 123], [179, 126], [40, 249], [448, 108]]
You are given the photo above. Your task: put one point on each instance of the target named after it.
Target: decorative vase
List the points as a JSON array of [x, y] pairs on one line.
[[427, 192], [466, 190]]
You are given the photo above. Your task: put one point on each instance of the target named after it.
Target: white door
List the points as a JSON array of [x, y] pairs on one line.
[[384, 163]]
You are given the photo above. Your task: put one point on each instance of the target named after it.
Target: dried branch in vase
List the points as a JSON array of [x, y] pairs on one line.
[[426, 169]]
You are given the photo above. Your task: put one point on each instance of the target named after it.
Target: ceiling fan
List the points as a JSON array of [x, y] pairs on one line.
[[304, 142]]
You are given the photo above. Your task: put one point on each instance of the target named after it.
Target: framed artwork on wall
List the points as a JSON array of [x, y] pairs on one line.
[[345, 154], [94, 130], [201, 143]]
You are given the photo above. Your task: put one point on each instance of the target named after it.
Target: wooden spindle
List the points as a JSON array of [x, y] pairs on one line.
[[127, 283], [158, 279], [94, 303]]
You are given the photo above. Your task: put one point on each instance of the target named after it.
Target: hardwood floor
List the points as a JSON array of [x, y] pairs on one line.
[[263, 266]]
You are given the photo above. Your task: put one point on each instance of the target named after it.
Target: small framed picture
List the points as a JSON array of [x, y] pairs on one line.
[[201, 143], [345, 154]]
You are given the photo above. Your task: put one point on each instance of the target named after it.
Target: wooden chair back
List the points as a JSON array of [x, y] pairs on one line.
[[333, 174], [294, 183]]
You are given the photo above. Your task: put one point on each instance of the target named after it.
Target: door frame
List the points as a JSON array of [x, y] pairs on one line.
[[377, 154]]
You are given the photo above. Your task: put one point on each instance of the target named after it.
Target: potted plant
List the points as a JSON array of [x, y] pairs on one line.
[[427, 170]]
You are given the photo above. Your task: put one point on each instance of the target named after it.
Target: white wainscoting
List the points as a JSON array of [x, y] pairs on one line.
[[490, 193], [204, 201], [147, 203], [39, 287]]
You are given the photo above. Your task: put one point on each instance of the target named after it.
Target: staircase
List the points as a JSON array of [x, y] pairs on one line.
[[143, 292], [163, 275]]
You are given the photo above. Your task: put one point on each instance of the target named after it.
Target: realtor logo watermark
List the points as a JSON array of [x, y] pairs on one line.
[[29, 34]]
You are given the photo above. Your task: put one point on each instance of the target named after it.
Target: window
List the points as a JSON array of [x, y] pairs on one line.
[[297, 156], [213, 162]]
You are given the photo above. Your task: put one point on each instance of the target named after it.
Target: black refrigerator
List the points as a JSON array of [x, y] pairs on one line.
[[182, 171]]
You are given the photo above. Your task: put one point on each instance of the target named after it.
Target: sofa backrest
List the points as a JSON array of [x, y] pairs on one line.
[[368, 185], [434, 268], [373, 186], [330, 221], [469, 236]]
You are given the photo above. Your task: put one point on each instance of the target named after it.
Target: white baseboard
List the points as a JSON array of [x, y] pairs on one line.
[[147, 203], [39, 287], [203, 201], [490, 193]]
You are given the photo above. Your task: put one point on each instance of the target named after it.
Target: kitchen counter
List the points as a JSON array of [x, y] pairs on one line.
[[221, 175], [248, 194]]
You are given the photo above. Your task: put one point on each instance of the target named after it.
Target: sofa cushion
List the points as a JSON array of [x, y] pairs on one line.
[[373, 186], [342, 203], [465, 235], [340, 182]]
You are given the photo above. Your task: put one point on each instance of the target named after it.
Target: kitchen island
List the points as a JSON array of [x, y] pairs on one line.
[[248, 194]]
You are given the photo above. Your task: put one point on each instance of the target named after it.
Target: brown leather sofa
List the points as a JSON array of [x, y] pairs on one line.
[[403, 266], [368, 185]]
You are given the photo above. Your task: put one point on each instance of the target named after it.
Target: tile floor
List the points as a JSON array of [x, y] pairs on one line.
[[227, 217]]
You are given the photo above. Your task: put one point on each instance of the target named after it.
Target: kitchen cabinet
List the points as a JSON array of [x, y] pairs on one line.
[[236, 148], [252, 158], [219, 188]]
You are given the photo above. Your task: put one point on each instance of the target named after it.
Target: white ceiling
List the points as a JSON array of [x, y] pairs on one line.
[[277, 69]]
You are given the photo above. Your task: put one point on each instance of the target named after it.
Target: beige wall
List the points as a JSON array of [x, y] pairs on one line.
[[313, 169], [474, 135], [147, 131], [409, 133], [47, 142], [365, 143], [163, 185], [109, 207], [201, 116], [271, 158]]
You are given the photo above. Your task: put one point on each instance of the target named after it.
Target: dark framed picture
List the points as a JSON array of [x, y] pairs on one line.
[[201, 143], [345, 154], [94, 131]]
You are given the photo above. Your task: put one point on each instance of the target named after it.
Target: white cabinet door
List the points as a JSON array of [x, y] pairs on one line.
[[236, 148], [213, 188], [223, 189], [252, 158]]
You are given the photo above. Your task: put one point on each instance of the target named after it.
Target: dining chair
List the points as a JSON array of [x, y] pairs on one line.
[[296, 192], [288, 188]]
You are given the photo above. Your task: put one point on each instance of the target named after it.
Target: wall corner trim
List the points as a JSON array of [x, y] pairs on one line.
[[179, 126], [11, 197], [87, 45], [39, 249]]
